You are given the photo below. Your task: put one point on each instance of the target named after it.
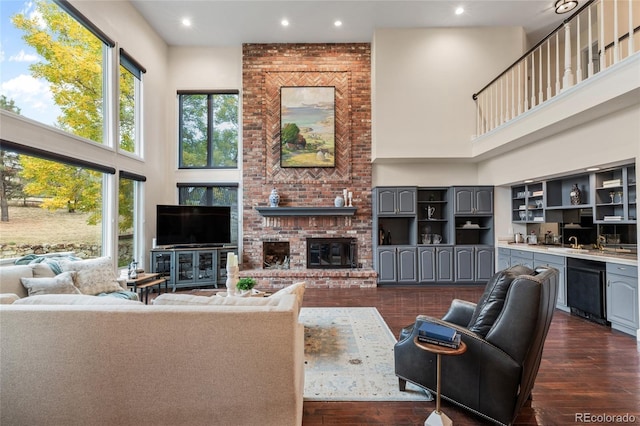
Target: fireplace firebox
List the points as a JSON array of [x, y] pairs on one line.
[[331, 253]]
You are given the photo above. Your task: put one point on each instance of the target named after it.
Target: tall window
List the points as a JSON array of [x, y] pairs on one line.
[[55, 206], [212, 195], [58, 73], [129, 230], [130, 101], [208, 130]]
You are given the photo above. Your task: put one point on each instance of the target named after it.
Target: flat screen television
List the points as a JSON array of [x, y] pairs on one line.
[[193, 225]]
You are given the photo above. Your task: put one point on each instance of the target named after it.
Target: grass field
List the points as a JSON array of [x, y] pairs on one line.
[[34, 225]]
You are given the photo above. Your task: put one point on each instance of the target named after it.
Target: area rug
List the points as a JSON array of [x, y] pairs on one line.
[[348, 356]]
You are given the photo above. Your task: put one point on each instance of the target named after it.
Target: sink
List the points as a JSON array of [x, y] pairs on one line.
[[567, 250]]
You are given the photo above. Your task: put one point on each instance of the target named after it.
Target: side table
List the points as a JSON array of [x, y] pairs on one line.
[[438, 418], [144, 282]]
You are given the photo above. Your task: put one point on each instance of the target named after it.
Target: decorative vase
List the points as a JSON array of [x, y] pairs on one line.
[[232, 280], [576, 195], [274, 198], [339, 201]]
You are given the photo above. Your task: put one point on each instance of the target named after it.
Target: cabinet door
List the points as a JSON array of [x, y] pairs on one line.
[[427, 264], [483, 198], [463, 201], [407, 270], [387, 200], [464, 263], [406, 201], [622, 300], [162, 263], [484, 263], [184, 267], [206, 266], [504, 259], [387, 265], [444, 264]]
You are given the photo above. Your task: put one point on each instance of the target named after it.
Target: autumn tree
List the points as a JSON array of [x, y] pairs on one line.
[[72, 63], [10, 184]]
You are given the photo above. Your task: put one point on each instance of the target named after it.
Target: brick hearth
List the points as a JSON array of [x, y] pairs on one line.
[[266, 68]]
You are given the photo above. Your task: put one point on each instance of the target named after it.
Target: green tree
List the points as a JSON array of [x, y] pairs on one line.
[[290, 133], [10, 184], [72, 64]]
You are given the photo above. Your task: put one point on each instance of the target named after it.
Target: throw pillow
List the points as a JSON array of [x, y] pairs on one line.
[[491, 302], [60, 284], [73, 299], [94, 276], [42, 270]]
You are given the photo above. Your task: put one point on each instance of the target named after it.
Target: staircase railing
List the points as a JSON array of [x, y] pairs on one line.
[[599, 35]]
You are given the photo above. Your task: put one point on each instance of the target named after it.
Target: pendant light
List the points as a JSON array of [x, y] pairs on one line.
[[564, 6]]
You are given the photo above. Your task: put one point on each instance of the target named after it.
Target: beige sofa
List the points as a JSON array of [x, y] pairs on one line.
[[125, 363]]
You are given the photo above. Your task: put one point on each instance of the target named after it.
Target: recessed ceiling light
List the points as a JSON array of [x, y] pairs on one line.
[[337, 23], [284, 23], [186, 22], [459, 10], [592, 169], [528, 181]]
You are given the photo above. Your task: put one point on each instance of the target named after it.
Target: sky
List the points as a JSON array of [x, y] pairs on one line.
[[31, 95]]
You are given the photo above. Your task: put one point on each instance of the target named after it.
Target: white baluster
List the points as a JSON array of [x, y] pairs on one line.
[[630, 45], [589, 44], [520, 88], [540, 84], [601, 38], [513, 92], [549, 94], [567, 79], [526, 84], [578, 55], [533, 79], [557, 62], [616, 46]]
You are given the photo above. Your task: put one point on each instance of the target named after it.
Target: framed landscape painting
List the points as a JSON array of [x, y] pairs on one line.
[[307, 126]]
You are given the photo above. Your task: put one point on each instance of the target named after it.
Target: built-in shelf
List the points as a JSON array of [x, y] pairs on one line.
[[306, 211]]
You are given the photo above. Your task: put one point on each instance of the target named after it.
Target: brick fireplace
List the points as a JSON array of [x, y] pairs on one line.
[[267, 68]]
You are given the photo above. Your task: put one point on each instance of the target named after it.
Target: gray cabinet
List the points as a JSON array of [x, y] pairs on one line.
[[191, 267], [522, 257], [622, 297], [504, 258], [473, 200], [474, 263], [558, 262], [397, 264], [396, 201], [435, 264]]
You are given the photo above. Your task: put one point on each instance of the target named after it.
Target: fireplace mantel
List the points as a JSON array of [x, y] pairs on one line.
[[306, 211]]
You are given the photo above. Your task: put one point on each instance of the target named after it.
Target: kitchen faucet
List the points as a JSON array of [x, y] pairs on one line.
[[575, 242]]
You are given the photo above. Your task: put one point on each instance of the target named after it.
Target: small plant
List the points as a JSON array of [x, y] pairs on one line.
[[246, 283]]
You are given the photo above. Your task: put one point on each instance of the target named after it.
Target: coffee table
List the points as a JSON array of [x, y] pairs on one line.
[[438, 418]]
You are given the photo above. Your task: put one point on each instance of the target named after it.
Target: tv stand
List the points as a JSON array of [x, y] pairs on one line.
[[192, 266]]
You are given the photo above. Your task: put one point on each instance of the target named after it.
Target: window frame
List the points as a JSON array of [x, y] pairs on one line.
[[210, 147]]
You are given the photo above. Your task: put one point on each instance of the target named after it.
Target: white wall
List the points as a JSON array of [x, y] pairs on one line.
[[199, 68], [423, 82]]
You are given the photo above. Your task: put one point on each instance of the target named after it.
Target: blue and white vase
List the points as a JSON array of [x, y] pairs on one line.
[[339, 201], [274, 198]]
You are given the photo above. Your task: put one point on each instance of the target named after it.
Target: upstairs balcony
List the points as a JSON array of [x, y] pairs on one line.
[[588, 67]]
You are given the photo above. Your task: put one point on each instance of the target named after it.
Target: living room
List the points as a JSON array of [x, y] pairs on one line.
[[404, 129]]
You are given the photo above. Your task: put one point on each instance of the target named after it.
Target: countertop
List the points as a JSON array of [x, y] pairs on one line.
[[630, 259]]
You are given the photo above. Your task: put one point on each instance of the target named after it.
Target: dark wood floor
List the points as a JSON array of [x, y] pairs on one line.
[[586, 367]]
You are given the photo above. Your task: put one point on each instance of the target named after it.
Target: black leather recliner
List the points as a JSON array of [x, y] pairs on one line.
[[504, 333]]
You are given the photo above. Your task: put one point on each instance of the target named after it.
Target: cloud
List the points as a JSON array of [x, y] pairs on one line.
[[32, 96], [22, 56]]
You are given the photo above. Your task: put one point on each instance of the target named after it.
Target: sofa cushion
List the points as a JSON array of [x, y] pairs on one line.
[[73, 299], [190, 299], [94, 276], [8, 298], [491, 302], [10, 279], [42, 270], [296, 288], [60, 284]]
